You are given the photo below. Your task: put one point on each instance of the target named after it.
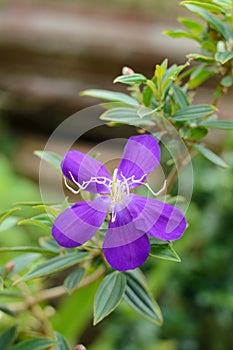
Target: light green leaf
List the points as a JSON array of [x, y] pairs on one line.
[[227, 81], [7, 213], [61, 342], [110, 96], [126, 116], [9, 222], [73, 279], [224, 56], [199, 78], [164, 251], [50, 157], [210, 156], [214, 22], [55, 265], [218, 124], [25, 249], [205, 5], [200, 58], [109, 295], [33, 344], [140, 299], [131, 79], [144, 111], [177, 34], [41, 220], [22, 262], [193, 112], [191, 25], [7, 338]]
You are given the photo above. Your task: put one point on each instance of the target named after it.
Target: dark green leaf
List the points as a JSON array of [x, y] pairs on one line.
[[131, 79], [55, 265], [218, 124], [164, 251], [109, 295], [73, 279], [61, 342], [224, 56], [33, 344], [194, 133], [147, 96], [50, 157], [110, 96], [211, 156], [126, 116], [7, 311], [194, 112], [139, 298], [7, 338]]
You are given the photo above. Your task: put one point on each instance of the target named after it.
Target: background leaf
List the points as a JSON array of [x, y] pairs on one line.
[[7, 338], [211, 156], [73, 279], [110, 96]]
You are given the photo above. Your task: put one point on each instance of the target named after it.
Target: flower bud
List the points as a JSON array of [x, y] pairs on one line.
[[127, 71], [80, 347]]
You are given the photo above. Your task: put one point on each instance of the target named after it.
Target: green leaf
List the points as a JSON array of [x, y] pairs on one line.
[[22, 262], [126, 116], [224, 56], [41, 220], [7, 338], [109, 295], [194, 133], [207, 6], [73, 279], [61, 342], [50, 157], [210, 156], [147, 96], [144, 111], [180, 97], [214, 22], [110, 96], [4, 215], [164, 251], [199, 78], [227, 81], [131, 79], [218, 124], [9, 222], [191, 25], [25, 249], [200, 58], [55, 265], [177, 34], [33, 344], [193, 112], [7, 311], [140, 299]]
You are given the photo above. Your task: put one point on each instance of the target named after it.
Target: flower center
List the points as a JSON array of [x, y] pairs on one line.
[[119, 188]]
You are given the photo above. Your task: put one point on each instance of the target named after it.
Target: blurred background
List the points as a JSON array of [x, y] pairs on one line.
[[50, 51]]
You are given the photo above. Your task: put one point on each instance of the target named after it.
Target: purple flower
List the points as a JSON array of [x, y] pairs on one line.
[[132, 217]]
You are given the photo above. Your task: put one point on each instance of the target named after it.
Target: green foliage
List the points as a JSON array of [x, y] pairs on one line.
[[109, 295]]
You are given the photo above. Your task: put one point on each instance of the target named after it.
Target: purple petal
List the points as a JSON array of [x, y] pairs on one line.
[[76, 225], [83, 167], [141, 156], [123, 230], [129, 256], [159, 219]]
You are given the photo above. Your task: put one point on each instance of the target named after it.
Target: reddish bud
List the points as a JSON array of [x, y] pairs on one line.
[[80, 347], [127, 71]]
